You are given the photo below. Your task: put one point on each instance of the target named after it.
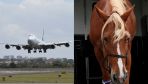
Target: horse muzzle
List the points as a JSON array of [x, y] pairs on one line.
[[118, 80]]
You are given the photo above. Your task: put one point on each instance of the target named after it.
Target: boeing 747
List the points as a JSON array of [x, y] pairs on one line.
[[36, 44]]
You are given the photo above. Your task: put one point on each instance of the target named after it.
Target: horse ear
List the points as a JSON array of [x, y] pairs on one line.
[[102, 14], [127, 13]]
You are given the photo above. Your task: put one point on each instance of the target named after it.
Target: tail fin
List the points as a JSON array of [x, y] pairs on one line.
[[43, 35]]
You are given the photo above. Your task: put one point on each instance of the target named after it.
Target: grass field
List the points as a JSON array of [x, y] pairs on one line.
[[51, 77]]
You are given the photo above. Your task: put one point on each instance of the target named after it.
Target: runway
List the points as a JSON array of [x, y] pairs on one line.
[[12, 71]]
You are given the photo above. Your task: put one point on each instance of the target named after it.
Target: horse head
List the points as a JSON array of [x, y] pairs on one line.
[[116, 41]]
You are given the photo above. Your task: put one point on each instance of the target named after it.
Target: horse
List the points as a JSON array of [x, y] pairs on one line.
[[112, 29]]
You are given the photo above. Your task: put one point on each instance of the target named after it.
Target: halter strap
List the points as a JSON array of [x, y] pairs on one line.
[[106, 82], [118, 56]]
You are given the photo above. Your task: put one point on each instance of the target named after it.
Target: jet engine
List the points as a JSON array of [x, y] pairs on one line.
[[7, 46], [18, 47], [52, 46], [67, 45]]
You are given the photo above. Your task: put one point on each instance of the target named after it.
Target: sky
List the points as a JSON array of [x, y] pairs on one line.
[[19, 18]]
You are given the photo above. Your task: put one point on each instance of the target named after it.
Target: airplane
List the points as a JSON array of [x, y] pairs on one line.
[[36, 44]]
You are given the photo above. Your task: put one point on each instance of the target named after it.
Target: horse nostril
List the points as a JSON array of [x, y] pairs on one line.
[[115, 77], [121, 81], [125, 76]]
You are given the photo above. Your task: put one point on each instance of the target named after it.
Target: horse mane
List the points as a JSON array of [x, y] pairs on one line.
[[118, 9], [118, 6]]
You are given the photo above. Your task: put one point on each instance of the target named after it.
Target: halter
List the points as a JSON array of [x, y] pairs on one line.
[[108, 68], [106, 82]]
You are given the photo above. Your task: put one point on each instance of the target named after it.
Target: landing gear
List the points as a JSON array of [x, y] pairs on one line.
[[44, 50], [34, 51], [29, 51], [40, 51]]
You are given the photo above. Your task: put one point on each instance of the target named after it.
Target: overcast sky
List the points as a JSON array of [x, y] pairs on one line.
[[18, 18]]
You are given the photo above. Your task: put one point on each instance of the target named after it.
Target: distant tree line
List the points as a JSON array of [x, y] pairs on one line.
[[38, 63]]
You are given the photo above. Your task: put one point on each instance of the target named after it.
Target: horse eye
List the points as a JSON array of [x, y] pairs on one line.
[[105, 39], [127, 40]]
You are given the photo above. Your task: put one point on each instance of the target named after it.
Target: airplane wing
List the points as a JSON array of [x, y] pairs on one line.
[[53, 45], [18, 46], [66, 44], [40, 46]]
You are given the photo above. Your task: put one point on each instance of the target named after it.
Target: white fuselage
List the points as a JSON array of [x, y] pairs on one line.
[[34, 42]]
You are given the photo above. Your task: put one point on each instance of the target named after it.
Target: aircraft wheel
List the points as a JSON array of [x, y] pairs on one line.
[[29, 51], [34, 51]]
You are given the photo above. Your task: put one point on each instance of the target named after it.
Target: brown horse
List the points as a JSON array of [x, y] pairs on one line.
[[113, 26]]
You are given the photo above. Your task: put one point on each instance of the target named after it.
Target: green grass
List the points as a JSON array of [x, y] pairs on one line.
[[52, 77]]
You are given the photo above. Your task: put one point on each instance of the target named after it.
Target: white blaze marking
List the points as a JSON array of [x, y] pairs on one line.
[[120, 63], [125, 69]]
